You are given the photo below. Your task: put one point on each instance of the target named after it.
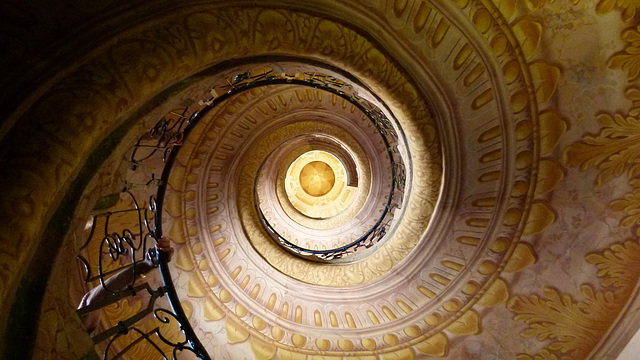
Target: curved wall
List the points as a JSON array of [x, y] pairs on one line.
[[534, 114]]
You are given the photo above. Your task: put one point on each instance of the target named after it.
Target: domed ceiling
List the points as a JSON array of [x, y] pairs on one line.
[[389, 179]]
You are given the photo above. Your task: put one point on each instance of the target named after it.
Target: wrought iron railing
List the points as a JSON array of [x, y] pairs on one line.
[[397, 169], [108, 251], [121, 239]]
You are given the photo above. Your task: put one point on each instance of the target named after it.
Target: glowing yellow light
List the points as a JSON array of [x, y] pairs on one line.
[[317, 178]]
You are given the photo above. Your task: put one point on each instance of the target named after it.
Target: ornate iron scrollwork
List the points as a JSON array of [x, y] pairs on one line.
[[153, 154], [119, 252]]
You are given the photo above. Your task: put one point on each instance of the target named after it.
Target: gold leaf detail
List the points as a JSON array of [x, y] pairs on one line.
[[506, 7], [572, 326], [628, 6], [391, 339], [545, 79], [404, 354], [498, 293], [437, 345], [487, 267], [575, 327], [616, 146], [196, 286], [298, 340], [522, 257], [471, 288], [176, 180], [628, 59], [262, 350], [544, 355], [633, 94], [552, 127], [176, 231], [345, 345], [211, 311], [290, 355], [618, 265], [399, 7], [259, 323], [413, 331], [187, 307], [235, 332], [277, 333], [323, 344], [537, 4], [183, 259], [630, 204], [549, 174], [528, 33], [369, 344], [467, 324], [540, 217]]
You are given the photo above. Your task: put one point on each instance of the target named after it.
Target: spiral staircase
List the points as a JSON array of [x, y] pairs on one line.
[[340, 180]]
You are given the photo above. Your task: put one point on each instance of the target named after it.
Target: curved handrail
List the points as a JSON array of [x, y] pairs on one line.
[[378, 230], [166, 139], [246, 81]]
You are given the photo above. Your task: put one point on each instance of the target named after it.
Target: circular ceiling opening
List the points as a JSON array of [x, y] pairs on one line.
[[316, 185], [317, 178]]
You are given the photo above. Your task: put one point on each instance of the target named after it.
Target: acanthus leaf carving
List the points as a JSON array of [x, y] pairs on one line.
[[628, 59], [611, 150], [573, 327], [617, 265], [628, 7], [629, 204]]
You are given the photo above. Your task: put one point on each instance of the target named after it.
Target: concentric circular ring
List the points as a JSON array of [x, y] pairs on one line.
[[459, 246], [365, 230], [317, 185]]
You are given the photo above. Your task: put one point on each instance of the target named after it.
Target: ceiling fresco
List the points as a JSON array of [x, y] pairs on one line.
[[513, 232]]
